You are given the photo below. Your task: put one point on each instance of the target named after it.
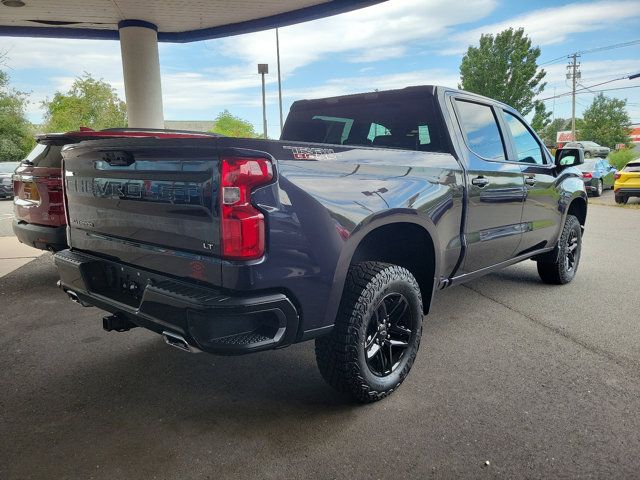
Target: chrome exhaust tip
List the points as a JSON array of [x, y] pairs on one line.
[[74, 296], [178, 341]]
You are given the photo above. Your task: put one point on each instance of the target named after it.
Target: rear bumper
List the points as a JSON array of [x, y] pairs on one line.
[[210, 320], [41, 236], [627, 192]]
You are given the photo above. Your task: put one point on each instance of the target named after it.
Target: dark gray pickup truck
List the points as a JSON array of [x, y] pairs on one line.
[[341, 231]]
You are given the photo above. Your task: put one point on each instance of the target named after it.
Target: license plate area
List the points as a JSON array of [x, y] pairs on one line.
[[117, 282]]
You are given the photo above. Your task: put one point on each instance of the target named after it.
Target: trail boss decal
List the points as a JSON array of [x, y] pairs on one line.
[[308, 153]]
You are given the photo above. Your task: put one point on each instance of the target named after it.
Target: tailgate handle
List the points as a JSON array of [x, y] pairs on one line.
[[118, 159]]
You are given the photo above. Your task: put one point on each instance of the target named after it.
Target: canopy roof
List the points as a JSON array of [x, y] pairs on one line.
[[176, 21]]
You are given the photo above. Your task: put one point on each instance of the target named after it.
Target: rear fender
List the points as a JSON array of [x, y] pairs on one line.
[[368, 225]]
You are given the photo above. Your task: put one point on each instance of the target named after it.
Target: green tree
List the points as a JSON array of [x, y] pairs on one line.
[[606, 122], [88, 103], [550, 131], [16, 135], [540, 117], [232, 126], [504, 67]]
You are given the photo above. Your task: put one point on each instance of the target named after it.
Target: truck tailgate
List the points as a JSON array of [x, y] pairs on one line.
[[143, 197]]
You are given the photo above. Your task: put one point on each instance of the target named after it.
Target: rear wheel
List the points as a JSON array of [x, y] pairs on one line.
[[587, 154], [599, 189], [564, 266], [621, 199], [377, 332]]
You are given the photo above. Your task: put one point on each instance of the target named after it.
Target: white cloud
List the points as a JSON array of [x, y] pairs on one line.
[[367, 83], [554, 25], [100, 57], [384, 29]]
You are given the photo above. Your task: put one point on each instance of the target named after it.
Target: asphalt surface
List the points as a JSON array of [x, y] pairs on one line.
[[539, 381]]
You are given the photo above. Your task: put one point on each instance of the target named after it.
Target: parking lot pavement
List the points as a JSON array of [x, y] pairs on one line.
[[13, 254], [6, 215], [540, 381]]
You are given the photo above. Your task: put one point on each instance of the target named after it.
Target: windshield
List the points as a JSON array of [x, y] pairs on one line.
[[8, 167]]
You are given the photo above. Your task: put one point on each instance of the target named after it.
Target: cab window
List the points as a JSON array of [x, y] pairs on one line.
[[528, 150], [480, 127]]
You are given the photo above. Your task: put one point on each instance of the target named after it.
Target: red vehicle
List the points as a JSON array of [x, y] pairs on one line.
[[37, 184]]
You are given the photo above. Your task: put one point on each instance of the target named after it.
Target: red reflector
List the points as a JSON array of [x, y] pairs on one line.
[[587, 175], [242, 225]]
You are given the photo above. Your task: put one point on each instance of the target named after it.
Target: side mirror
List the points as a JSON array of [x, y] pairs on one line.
[[569, 157]]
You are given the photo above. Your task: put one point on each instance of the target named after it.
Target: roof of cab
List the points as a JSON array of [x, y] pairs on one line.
[[428, 89]]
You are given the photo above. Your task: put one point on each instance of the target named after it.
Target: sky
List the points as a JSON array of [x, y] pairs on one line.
[[390, 45]]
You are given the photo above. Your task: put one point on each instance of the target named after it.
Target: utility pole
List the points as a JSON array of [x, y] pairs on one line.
[[263, 69], [574, 75], [279, 79]]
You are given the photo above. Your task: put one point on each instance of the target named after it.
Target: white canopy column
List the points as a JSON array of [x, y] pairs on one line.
[[141, 69]]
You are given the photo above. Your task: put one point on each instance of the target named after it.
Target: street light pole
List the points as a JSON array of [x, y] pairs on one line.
[[279, 78], [263, 69]]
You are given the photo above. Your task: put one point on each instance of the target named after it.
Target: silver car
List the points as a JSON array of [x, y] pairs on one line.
[[591, 149], [6, 184]]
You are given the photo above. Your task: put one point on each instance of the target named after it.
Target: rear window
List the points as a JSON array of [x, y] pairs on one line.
[[45, 156], [632, 167], [398, 119], [588, 166]]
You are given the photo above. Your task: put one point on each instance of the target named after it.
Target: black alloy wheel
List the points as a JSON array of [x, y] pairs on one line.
[[390, 332], [572, 251]]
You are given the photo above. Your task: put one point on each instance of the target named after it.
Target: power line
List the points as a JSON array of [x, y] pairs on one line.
[[585, 90], [592, 50], [585, 87], [610, 47]]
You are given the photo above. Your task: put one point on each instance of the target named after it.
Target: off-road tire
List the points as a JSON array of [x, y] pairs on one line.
[[561, 270], [341, 355]]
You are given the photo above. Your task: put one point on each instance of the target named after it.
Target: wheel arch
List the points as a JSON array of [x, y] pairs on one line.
[[578, 208], [391, 237]]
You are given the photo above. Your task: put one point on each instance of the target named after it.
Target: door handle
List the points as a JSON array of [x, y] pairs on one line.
[[531, 181], [480, 181]]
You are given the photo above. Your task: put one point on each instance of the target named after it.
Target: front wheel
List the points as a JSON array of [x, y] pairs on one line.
[[587, 154], [377, 332], [565, 265]]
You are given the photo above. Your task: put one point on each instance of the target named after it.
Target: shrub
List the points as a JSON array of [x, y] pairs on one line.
[[621, 157]]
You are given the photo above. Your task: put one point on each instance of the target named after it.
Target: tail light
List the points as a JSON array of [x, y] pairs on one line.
[[242, 225], [616, 176], [587, 175]]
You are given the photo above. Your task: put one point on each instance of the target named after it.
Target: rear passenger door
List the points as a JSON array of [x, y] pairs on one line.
[[495, 187], [541, 217]]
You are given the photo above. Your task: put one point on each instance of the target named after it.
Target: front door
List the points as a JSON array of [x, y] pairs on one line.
[[541, 217]]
